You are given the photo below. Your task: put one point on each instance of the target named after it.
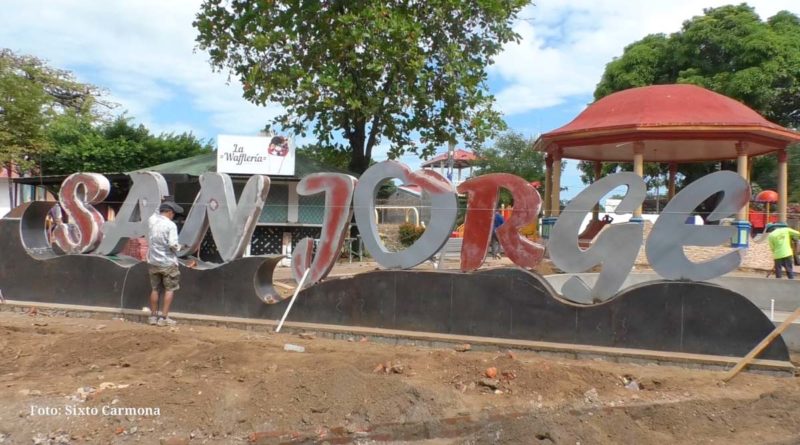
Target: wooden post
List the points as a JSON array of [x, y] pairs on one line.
[[761, 346], [741, 168], [638, 168], [783, 185], [555, 201], [673, 173], [598, 171], [548, 183]]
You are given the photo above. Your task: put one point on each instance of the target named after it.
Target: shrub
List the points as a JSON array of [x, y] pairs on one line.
[[410, 233]]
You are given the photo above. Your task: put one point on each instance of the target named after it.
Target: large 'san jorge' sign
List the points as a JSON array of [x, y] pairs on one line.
[[232, 223]]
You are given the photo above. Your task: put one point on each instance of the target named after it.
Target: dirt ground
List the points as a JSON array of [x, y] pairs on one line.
[[79, 380]]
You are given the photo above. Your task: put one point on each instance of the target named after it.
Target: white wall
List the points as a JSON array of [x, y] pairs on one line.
[[5, 207]]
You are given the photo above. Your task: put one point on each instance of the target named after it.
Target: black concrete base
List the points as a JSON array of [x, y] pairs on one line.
[[510, 303], [675, 316]]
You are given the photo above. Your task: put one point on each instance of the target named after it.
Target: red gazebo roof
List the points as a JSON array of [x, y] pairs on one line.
[[682, 123], [461, 158]]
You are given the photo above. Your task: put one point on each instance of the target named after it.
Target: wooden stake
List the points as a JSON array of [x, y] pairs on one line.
[[294, 297], [761, 346]]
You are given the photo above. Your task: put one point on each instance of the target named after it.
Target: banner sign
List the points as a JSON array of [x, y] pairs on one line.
[[261, 155]]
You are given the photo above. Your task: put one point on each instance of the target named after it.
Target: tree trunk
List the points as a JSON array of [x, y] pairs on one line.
[[10, 187], [359, 161]]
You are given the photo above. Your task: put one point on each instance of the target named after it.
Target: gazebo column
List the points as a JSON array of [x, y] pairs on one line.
[[783, 185], [598, 171], [555, 200], [548, 183], [673, 173], [742, 237], [638, 168], [553, 186]]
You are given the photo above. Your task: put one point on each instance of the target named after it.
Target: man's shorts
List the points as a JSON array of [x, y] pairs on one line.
[[167, 278]]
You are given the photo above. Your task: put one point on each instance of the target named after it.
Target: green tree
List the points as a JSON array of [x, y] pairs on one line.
[[331, 156], [32, 94], [113, 147], [729, 50], [511, 153], [370, 70]]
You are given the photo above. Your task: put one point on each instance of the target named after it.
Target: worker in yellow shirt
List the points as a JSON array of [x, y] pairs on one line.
[[780, 243]]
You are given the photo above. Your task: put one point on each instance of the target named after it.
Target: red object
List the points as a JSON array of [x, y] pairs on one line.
[[481, 199], [678, 123], [758, 219], [278, 146], [136, 248], [767, 196], [338, 189]]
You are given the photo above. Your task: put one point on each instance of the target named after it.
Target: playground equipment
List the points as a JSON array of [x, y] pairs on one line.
[[407, 209], [758, 218], [592, 229]]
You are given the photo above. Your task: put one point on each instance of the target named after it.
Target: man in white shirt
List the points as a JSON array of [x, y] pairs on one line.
[[162, 260]]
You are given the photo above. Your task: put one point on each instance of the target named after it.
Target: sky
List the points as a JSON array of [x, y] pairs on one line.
[[143, 54]]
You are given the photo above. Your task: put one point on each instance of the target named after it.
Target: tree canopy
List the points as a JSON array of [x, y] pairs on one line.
[[369, 71], [32, 94], [53, 124], [511, 153], [729, 50], [113, 147]]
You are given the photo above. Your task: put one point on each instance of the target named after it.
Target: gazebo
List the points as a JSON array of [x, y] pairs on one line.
[[667, 124], [461, 159]]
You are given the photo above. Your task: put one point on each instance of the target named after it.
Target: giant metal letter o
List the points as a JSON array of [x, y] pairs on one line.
[[443, 213]]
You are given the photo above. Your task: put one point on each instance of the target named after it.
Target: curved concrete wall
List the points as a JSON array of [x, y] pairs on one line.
[[760, 291]]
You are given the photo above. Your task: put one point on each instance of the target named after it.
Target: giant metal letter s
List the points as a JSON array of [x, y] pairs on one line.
[[78, 192]]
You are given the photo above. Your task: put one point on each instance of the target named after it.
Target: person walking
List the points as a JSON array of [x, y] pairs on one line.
[[495, 247], [162, 260], [780, 243]]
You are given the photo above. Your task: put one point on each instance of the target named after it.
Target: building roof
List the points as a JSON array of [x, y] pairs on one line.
[[676, 122], [207, 162], [461, 158], [411, 189]]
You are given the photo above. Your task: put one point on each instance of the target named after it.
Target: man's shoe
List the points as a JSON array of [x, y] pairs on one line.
[[152, 320], [166, 322]]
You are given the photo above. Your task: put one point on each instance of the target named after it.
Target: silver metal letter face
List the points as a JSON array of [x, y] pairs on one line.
[[443, 213], [665, 244], [615, 248], [131, 221], [231, 225]]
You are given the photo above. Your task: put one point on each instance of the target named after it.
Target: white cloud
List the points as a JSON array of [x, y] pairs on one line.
[[567, 43], [142, 52]]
